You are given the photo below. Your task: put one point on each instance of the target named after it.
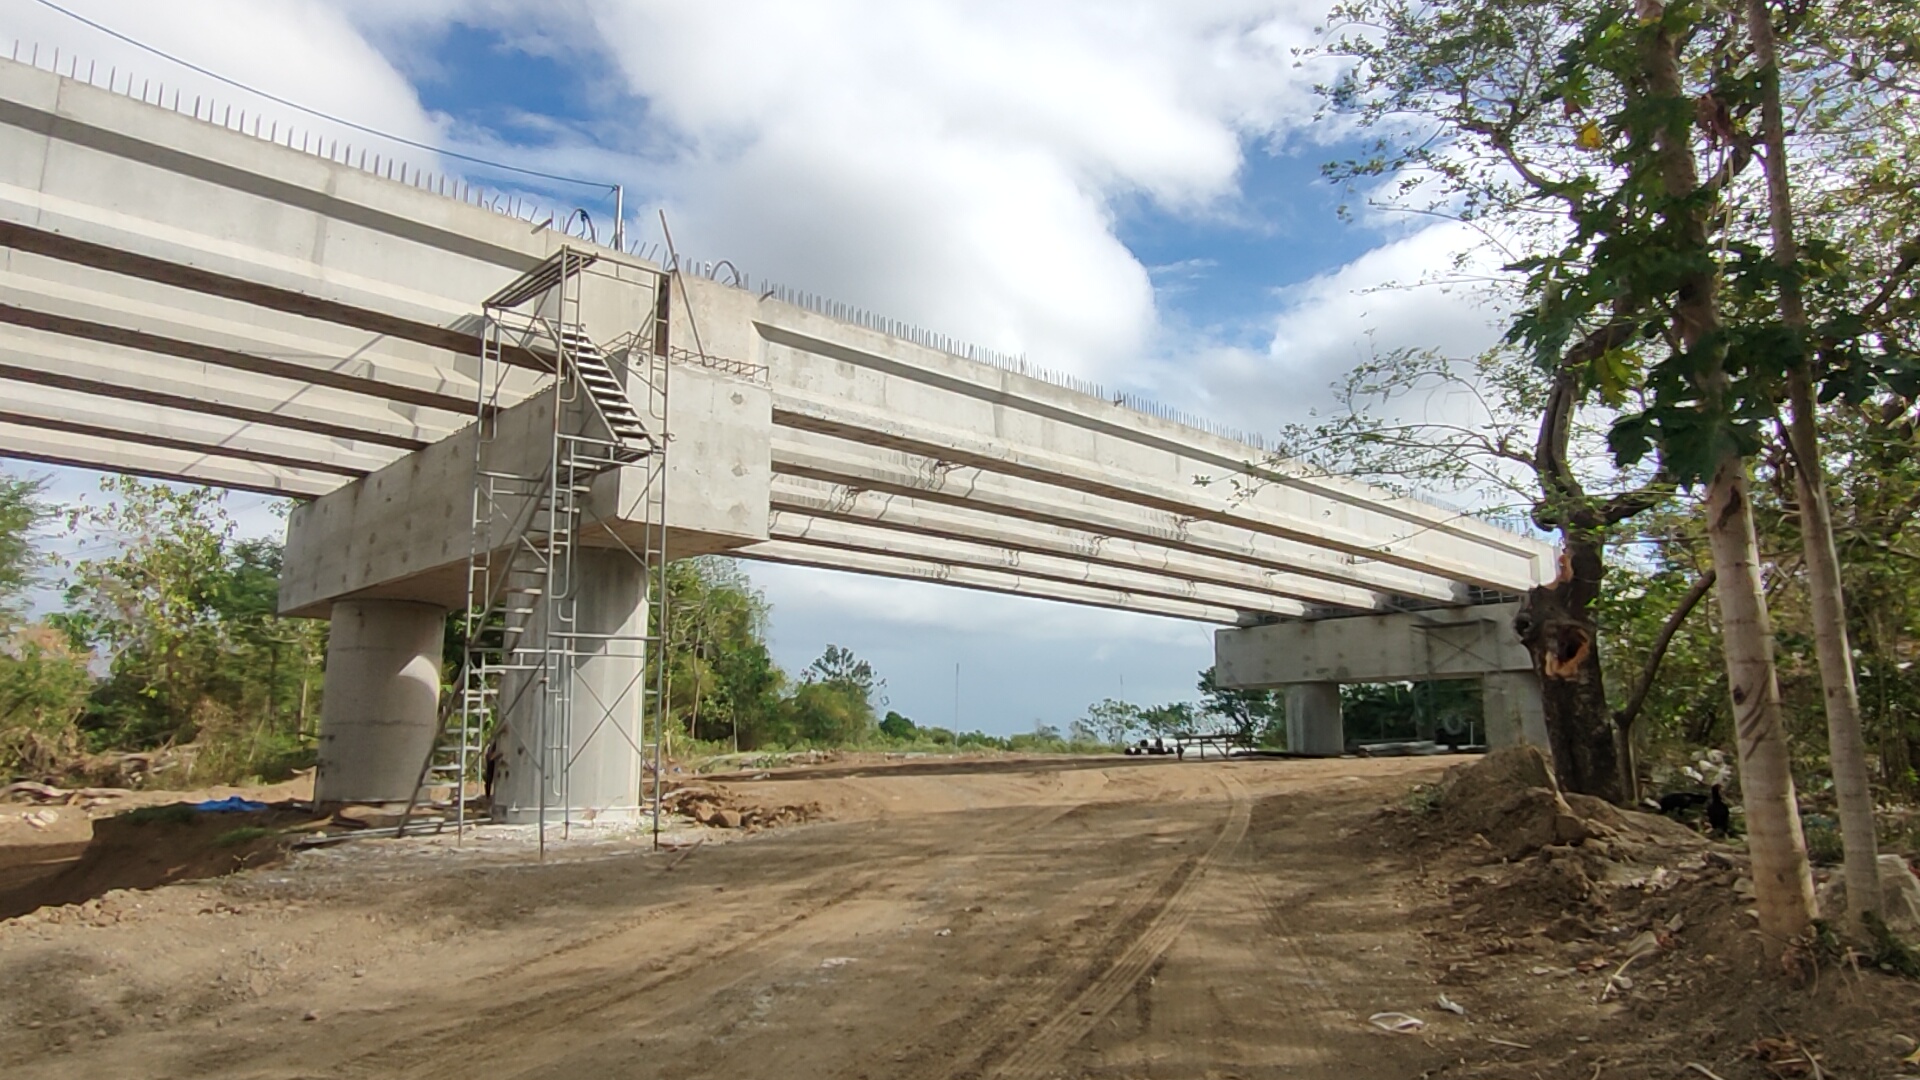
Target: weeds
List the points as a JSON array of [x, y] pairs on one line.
[[242, 835], [169, 814], [1890, 954]]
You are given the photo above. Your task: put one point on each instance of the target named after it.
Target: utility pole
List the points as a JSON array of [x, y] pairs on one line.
[[956, 697]]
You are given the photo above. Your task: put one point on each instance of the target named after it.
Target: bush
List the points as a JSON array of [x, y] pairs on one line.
[[1824, 844], [44, 685]]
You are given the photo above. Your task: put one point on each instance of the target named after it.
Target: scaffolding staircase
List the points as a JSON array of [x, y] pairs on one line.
[[515, 688]]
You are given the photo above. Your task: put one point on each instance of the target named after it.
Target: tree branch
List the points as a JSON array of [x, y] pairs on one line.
[[1625, 717]]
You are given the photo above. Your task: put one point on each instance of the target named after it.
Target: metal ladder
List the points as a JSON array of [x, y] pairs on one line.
[[521, 597]]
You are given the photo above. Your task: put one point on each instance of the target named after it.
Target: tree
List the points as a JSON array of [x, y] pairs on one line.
[[1175, 718], [1256, 715], [186, 614], [723, 683], [829, 714], [1846, 746], [1615, 145], [44, 681], [21, 512], [838, 665], [895, 726], [1113, 722]]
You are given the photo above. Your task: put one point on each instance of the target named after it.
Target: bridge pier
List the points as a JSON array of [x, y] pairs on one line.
[[1313, 720], [593, 770], [1311, 658], [381, 708], [1510, 704]]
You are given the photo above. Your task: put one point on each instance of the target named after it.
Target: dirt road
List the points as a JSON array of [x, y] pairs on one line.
[[1030, 920]]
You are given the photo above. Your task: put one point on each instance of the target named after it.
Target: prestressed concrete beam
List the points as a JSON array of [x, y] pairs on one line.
[[871, 540], [121, 168], [129, 374], [903, 514], [139, 425], [79, 302], [783, 551], [88, 452], [1276, 511], [821, 359], [819, 457]]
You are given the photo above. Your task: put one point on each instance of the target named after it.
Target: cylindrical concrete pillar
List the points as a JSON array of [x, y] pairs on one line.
[[587, 768], [1313, 720], [1510, 702], [380, 711]]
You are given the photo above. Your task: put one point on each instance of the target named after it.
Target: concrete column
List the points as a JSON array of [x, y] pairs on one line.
[[1313, 720], [380, 709], [592, 769], [1510, 702]]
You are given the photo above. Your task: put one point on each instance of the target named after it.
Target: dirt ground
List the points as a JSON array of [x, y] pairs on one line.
[[946, 919]]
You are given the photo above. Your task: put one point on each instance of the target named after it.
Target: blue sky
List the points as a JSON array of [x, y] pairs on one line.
[[1126, 192]]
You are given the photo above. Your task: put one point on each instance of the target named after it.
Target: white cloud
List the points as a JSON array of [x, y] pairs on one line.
[[305, 51], [957, 164], [1435, 288]]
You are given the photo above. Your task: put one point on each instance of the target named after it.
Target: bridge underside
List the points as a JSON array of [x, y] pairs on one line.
[[186, 301]]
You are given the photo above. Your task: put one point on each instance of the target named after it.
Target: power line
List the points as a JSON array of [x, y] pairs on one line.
[[377, 133]]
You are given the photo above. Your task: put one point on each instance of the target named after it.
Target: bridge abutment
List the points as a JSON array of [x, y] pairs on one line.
[[381, 708]]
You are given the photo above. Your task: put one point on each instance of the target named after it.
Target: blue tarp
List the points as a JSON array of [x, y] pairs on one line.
[[232, 804]]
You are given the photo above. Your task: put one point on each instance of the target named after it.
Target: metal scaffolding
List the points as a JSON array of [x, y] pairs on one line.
[[518, 690]]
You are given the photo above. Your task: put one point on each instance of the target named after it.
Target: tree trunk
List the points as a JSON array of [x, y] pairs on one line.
[[1846, 747], [1560, 634], [1783, 884]]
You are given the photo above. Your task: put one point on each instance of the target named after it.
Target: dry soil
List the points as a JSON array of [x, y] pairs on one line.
[[1057, 918]]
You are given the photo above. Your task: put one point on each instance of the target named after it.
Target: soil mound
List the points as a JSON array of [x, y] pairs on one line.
[[157, 845], [720, 809], [1628, 918]]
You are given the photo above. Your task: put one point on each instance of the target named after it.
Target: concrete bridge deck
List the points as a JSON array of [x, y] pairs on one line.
[[183, 299]]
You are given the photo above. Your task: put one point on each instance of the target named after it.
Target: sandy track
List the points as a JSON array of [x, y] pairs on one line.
[[1020, 920]]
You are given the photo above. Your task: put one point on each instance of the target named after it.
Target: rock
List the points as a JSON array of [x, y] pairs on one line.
[[1899, 895], [726, 818]]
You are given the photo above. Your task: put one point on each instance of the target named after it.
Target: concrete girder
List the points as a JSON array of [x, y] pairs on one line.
[[868, 539], [95, 305], [270, 216], [1000, 581], [112, 455], [129, 374], [931, 479], [80, 413], [1387, 539], [1054, 431], [901, 514]]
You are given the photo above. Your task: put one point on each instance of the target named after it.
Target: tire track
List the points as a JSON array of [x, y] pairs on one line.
[[1075, 1018], [567, 1001]]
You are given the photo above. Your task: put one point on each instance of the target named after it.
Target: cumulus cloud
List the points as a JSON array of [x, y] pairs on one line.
[[305, 51], [958, 164]]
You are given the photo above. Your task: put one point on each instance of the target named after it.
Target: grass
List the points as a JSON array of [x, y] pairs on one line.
[[242, 835], [169, 814]]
